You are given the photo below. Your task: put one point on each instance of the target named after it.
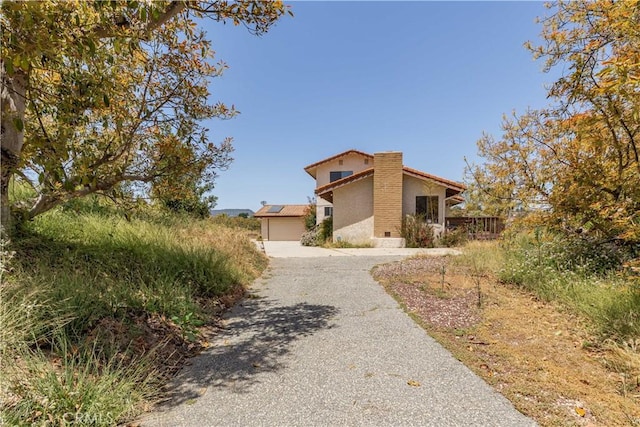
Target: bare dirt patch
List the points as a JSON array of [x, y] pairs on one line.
[[536, 354]]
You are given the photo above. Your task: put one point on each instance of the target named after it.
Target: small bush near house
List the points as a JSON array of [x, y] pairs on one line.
[[310, 237], [310, 216], [325, 232], [452, 238], [417, 232], [319, 235]]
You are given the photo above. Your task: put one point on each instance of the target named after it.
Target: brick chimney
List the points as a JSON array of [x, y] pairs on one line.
[[387, 194]]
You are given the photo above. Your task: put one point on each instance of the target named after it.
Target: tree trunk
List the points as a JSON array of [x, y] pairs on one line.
[[13, 91]]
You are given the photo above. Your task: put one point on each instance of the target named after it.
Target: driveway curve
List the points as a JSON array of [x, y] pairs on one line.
[[319, 343]]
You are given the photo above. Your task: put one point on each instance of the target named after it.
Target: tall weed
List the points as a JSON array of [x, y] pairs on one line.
[[79, 388], [484, 257]]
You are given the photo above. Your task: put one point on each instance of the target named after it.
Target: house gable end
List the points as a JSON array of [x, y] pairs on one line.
[[354, 159]]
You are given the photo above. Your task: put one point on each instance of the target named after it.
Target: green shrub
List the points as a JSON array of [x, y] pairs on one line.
[[417, 232], [535, 255], [310, 217], [452, 238], [325, 232], [310, 237]]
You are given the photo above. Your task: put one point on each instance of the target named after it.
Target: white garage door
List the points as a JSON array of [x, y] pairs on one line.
[[282, 228]]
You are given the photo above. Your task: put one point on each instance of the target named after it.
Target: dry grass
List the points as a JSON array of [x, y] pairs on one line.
[[537, 354], [233, 242], [625, 359]]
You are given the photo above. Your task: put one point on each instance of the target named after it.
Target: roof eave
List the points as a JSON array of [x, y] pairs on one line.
[[459, 187], [344, 181]]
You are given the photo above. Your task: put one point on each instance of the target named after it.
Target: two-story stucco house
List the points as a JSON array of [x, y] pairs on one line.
[[368, 195]]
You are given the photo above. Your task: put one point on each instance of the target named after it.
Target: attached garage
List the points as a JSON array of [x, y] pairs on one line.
[[282, 222]]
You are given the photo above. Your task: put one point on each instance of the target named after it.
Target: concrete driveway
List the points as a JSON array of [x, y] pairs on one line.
[[320, 343], [296, 250]]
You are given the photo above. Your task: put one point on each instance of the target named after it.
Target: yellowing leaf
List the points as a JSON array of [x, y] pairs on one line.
[[414, 383], [17, 122], [580, 411]]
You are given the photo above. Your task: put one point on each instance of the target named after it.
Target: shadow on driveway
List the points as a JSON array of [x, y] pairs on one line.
[[258, 333]]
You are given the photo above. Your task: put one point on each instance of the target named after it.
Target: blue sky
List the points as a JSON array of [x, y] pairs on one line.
[[424, 78]]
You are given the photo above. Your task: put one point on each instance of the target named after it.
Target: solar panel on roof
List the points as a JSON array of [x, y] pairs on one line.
[[275, 209]]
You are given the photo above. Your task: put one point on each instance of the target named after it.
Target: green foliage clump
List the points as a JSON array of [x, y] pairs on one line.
[[580, 273], [417, 232], [319, 234], [452, 238], [540, 253], [310, 217], [197, 208], [325, 232], [310, 237]]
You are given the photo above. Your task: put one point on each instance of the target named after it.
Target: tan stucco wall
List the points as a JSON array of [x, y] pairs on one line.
[[353, 212], [320, 205], [351, 162], [413, 187], [448, 211], [275, 228], [358, 233]]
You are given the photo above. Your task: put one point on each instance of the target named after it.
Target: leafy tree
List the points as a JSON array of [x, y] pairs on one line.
[[310, 214], [188, 195], [576, 163], [98, 93]]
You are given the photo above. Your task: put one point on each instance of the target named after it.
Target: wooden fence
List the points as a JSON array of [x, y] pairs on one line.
[[478, 227]]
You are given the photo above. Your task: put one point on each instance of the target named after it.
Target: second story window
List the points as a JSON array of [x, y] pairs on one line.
[[336, 175], [328, 211]]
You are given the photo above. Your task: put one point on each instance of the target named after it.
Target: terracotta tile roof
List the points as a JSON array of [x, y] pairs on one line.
[[327, 188], [286, 211], [454, 200], [311, 168], [447, 183]]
